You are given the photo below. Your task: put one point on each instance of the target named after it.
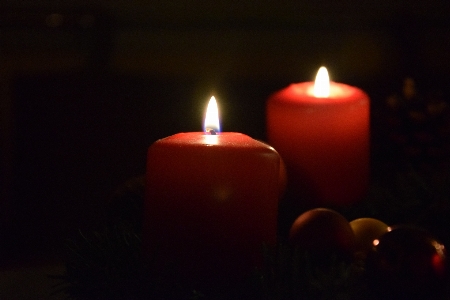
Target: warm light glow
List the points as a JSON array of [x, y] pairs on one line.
[[376, 242], [212, 124], [322, 84], [439, 247]]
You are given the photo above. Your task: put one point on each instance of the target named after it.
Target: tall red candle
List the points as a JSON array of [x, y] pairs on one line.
[[211, 203], [323, 139]]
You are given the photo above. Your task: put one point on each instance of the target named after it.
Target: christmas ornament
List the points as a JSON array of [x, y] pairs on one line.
[[322, 232], [406, 263], [366, 231]]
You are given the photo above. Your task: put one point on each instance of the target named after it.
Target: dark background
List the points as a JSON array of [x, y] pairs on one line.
[[87, 86]]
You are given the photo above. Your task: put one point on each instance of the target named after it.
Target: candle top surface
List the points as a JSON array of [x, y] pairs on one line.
[[304, 93], [224, 140]]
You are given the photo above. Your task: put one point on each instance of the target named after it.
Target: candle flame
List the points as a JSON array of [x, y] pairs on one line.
[[212, 124], [322, 84]]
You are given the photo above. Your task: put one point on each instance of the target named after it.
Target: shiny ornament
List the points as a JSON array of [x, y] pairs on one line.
[[406, 263], [323, 232], [366, 231]]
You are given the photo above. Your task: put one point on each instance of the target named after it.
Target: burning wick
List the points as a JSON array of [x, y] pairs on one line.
[[211, 131]]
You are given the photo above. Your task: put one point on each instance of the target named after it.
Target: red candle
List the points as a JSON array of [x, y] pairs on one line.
[[211, 202], [323, 137]]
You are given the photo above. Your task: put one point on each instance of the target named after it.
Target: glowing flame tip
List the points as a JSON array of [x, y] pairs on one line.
[[322, 84], [212, 124]]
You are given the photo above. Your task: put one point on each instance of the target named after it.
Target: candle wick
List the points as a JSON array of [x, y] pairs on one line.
[[211, 131]]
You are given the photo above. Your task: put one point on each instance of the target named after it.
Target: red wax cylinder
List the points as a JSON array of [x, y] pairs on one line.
[[323, 141], [211, 203]]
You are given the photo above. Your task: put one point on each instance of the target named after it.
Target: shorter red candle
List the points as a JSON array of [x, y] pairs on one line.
[[211, 202], [323, 138]]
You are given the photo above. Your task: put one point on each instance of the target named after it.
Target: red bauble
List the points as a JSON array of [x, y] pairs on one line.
[[407, 263], [322, 232]]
